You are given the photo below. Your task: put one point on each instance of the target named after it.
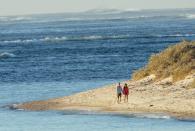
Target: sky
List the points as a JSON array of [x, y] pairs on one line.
[[20, 7]]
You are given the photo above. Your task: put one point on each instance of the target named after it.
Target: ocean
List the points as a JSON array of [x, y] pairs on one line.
[[53, 55]]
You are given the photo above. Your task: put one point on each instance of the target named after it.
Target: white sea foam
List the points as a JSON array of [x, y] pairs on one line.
[[3, 18], [175, 35], [19, 41], [110, 18], [53, 38], [19, 109], [97, 37], [11, 18], [93, 37], [132, 10], [143, 17], [6, 55], [153, 116], [111, 11], [64, 38], [190, 16], [90, 37]]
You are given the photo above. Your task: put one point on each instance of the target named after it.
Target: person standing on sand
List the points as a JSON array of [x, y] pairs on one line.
[[126, 92], [119, 92]]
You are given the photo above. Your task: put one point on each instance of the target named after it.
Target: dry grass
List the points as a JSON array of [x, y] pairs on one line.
[[176, 61], [192, 85]]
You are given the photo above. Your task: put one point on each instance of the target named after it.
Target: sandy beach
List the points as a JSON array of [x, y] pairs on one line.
[[145, 96]]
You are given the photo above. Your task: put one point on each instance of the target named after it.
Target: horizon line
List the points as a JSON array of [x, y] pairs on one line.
[[95, 9]]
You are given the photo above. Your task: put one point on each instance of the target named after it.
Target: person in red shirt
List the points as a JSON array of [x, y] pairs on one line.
[[126, 92]]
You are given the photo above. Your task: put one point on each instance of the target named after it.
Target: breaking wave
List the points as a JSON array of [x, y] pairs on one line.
[[187, 16], [5, 55], [64, 38], [111, 11], [11, 19], [190, 16], [114, 18], [91, 38], [176, 35]]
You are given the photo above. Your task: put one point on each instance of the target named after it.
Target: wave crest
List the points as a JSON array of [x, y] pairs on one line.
[[192, 16], [189, 16], [5, 55], [176, 35], [11, 19], [64, 38], [91, 37]]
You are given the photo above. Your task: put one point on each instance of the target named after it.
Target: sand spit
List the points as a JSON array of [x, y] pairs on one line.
[[146, 96]]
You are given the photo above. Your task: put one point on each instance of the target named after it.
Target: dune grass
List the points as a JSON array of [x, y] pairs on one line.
[[192, 85], [177, 61]]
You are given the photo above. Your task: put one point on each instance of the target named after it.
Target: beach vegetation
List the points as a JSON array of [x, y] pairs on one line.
[[192, 85], [177, 61]]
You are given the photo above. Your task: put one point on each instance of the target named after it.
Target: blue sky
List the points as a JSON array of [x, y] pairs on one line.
[[14, 7]]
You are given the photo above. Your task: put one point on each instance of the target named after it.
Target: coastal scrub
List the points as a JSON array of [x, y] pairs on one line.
[[177, 61]]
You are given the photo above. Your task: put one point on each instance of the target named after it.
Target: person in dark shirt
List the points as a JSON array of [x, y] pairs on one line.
[[119, 93]]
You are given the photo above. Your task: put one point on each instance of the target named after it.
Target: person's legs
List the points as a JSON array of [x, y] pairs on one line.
[[125, 98], [118, 98]]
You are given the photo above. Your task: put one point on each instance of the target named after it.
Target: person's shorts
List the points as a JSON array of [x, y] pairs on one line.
[[119, 94], [126, 94]]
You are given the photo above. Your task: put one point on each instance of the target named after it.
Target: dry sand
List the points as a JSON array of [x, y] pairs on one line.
[[145, 96]]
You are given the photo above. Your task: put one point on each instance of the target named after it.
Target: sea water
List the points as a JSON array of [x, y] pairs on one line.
[[53, 55]]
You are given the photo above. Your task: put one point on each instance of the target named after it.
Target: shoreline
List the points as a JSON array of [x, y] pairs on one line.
[[140, 113], [146, 96]]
